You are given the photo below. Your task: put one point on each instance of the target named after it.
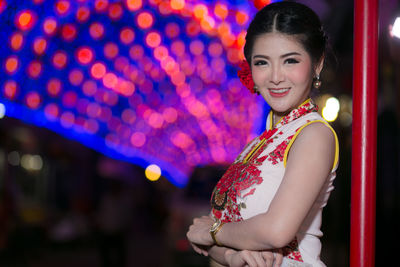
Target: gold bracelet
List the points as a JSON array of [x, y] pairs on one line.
[[214, 230]]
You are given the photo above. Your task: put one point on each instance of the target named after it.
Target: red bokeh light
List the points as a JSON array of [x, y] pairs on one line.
[[110, 80], [215, 49], [128, 116], [127, 36], [153, 39], [51, 111], [33, 100], [54, 87], [60, 59], [178, 48], [172, 30], [200, 11], [10, 89], [62, 7], [89, 87], [34, 69], [11, 64], [221, 11], [110, 50], [196, 47], [145, 20], [160, 52], [177, 4], [101, 5], [136, 52], [261, 3], [50, 26], [39, 45], [96, 30], [25, 20], [192, 28], [82, 14], [138, 139], [164, 8], [84, 55], [69, 99], [115, 11], [98, 70], [68, 32], [133, 5], [16, 41], [241, 17], [75, 77]]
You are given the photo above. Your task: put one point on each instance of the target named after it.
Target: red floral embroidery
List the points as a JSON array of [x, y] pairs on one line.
[[292, 251], [297, 113], [268, 134], [245, 175], [245, 76], [279, 152]]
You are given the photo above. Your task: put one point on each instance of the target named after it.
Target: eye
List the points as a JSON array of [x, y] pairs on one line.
[[260, 62], [291, 61]]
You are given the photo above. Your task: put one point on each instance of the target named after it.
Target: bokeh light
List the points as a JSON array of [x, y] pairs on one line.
[[153, 172], [149, 82], [331, 109], [2, 110]]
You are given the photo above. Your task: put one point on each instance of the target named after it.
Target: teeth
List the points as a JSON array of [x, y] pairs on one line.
[[278, 91]]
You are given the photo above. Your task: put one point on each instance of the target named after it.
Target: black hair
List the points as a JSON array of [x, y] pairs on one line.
[[289, 18]]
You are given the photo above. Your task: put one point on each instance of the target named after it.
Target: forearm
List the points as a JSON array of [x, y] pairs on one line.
[[218, 254], [256, 233]]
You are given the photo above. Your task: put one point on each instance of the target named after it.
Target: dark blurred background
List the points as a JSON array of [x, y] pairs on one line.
[[64, 204]]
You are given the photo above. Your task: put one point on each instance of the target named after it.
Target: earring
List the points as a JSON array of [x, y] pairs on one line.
[[255, 88], [317, 82]]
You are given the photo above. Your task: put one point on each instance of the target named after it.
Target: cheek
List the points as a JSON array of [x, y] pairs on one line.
[[300, 75], [258, 75]]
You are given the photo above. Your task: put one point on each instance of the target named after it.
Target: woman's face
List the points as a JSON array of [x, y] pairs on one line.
[[282, 70]]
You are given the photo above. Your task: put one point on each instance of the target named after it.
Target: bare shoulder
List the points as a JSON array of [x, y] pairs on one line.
[[314, 140], [318, 132]]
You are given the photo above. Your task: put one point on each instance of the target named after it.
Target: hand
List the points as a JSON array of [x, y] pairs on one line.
[[202, 250], [199, 231], [250, 258]]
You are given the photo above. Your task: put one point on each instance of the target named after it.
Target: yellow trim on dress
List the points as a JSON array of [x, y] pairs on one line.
[[251, 153], [298, 132]]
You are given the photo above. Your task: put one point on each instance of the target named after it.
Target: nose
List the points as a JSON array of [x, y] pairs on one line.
[[276, 75]]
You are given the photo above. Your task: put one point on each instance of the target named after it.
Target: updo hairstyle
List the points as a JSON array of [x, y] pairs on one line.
[[293, 19]]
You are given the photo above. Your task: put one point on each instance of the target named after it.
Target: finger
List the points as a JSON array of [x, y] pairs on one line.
[[259, 259], [248, 258], [199, 249], [268, 257], [195, 248], [278, 258]]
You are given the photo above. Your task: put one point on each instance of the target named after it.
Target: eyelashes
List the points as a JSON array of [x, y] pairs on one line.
[[286, 61], [291, 61], [260, 62]]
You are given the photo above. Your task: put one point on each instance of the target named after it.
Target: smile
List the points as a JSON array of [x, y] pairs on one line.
[[278, 92]]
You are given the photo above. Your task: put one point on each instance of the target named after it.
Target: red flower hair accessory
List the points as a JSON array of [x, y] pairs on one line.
[[245, 76]]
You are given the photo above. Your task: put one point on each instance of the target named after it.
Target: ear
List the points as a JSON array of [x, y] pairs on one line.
[[319, 66]]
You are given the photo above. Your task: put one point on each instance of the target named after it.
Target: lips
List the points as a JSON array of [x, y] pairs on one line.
[[278, 92]]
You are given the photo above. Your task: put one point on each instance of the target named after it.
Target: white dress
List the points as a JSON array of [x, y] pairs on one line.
[[250, 183]]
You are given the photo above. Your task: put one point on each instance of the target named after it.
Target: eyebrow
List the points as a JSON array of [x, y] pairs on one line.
[[282, 56]]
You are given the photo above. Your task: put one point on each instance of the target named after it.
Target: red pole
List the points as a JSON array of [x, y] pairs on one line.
[[362, 237]]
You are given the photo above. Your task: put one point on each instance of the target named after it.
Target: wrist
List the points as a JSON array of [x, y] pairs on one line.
[[228, 255], [215, 228]]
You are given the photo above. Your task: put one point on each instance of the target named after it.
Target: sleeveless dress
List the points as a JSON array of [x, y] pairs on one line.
[[251, 182]]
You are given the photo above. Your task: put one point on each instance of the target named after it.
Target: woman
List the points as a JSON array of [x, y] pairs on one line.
[[272, 196]]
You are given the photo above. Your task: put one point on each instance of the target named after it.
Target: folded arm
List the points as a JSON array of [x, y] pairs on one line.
[[309, 163]]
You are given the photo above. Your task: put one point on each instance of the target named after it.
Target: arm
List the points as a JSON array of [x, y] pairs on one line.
[[301, 184], [230, 257]]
